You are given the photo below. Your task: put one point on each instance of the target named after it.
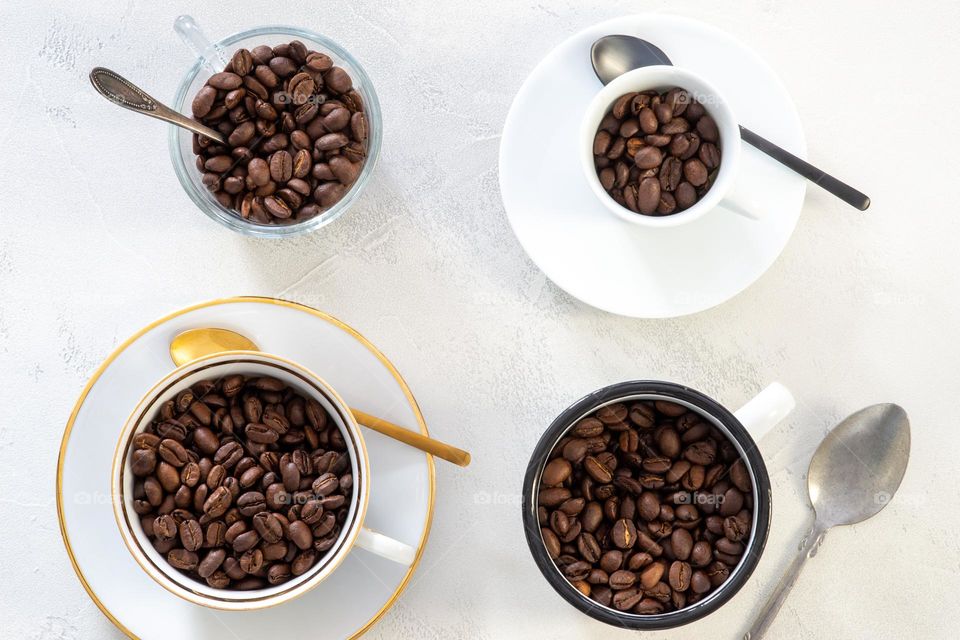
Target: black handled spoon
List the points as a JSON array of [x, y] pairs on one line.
[[614, 55]]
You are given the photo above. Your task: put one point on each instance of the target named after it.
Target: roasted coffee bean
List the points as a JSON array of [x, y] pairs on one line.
[[173, 452], [648, 158], [556, 472], [622, 579], [651, 575], [632, 500], [143, 462], [165, 528], [679, 576], [191, 535], [681, 543], [300, 534], [589, 547], [168, 476], [623, 534], [183, 559]]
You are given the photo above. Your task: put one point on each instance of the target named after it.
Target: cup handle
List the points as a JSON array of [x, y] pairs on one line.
[[737, 201], [210, 54], [386, 547], [766, 409]]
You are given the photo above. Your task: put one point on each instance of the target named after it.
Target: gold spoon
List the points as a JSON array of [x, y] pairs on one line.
[[194, 343]]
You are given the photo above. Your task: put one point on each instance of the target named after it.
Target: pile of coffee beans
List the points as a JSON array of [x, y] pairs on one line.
[[296, 133], [645, 507], [241, 482], [657, 153]]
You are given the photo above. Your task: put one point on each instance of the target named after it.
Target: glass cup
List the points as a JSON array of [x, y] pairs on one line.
[[211, 58]]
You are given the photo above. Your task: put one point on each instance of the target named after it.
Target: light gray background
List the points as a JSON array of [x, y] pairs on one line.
[[98, 239]]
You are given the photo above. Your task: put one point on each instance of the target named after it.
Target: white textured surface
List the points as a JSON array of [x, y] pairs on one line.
[[98, 239]]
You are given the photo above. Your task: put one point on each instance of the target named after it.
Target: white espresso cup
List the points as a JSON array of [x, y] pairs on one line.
[[661, 78], [301, 379]]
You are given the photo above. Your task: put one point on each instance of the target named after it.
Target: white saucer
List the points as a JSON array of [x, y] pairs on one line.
[[401, 495], [611, 264]]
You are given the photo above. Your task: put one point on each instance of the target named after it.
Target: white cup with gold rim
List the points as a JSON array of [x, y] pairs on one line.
[[250, 363]]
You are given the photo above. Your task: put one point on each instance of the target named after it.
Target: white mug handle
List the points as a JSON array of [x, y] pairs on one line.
[[737, 200], [766, 409], [386, 547]]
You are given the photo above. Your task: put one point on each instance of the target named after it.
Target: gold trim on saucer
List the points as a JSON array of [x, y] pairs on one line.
[[211, 303]]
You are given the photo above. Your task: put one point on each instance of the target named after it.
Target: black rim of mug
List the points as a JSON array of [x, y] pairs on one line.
[[761, 515]]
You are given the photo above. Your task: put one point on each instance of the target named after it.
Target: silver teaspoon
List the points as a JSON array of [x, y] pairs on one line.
[[852, 476], [124, 93]]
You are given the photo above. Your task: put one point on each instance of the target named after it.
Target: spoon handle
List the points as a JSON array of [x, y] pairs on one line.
[[807, 549], [817, 176], [442, 450], [124, 93]]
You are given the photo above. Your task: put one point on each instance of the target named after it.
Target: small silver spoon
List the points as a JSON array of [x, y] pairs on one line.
[[852, 476], [124, 93], [614, 55]]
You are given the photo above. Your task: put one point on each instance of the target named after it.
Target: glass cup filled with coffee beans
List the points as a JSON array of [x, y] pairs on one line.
[[302, 126], [660, 147], [242, 482], [647, 504]]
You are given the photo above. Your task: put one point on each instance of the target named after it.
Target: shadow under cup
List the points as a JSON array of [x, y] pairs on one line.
[[718, 416]]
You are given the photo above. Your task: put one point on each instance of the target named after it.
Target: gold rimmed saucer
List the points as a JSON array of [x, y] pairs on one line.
[[242, 313]]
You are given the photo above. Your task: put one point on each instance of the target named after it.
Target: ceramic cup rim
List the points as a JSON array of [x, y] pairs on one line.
[[719, 416], [662, 77], [185, 587], [210, 207]]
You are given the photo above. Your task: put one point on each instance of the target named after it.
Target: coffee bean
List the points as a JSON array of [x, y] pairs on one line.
[[281, 166], [623, 534], [648, 120], [699, 582], [225, 80], [556, 472], [695, 172], [709, 155], [143, 462], [589, 547], [739, 475], [686, 195], [648, 195], [338, 80], [707, 128], [679, 577], [651, 575], [183, 559], [191, 535], [203, 101], [597, 470], [648, 157]]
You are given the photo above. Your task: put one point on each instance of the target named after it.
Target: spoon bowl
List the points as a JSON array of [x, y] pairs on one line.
[[859, 465]]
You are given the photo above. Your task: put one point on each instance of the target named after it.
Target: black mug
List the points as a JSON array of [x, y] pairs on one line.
[[756, 417]]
